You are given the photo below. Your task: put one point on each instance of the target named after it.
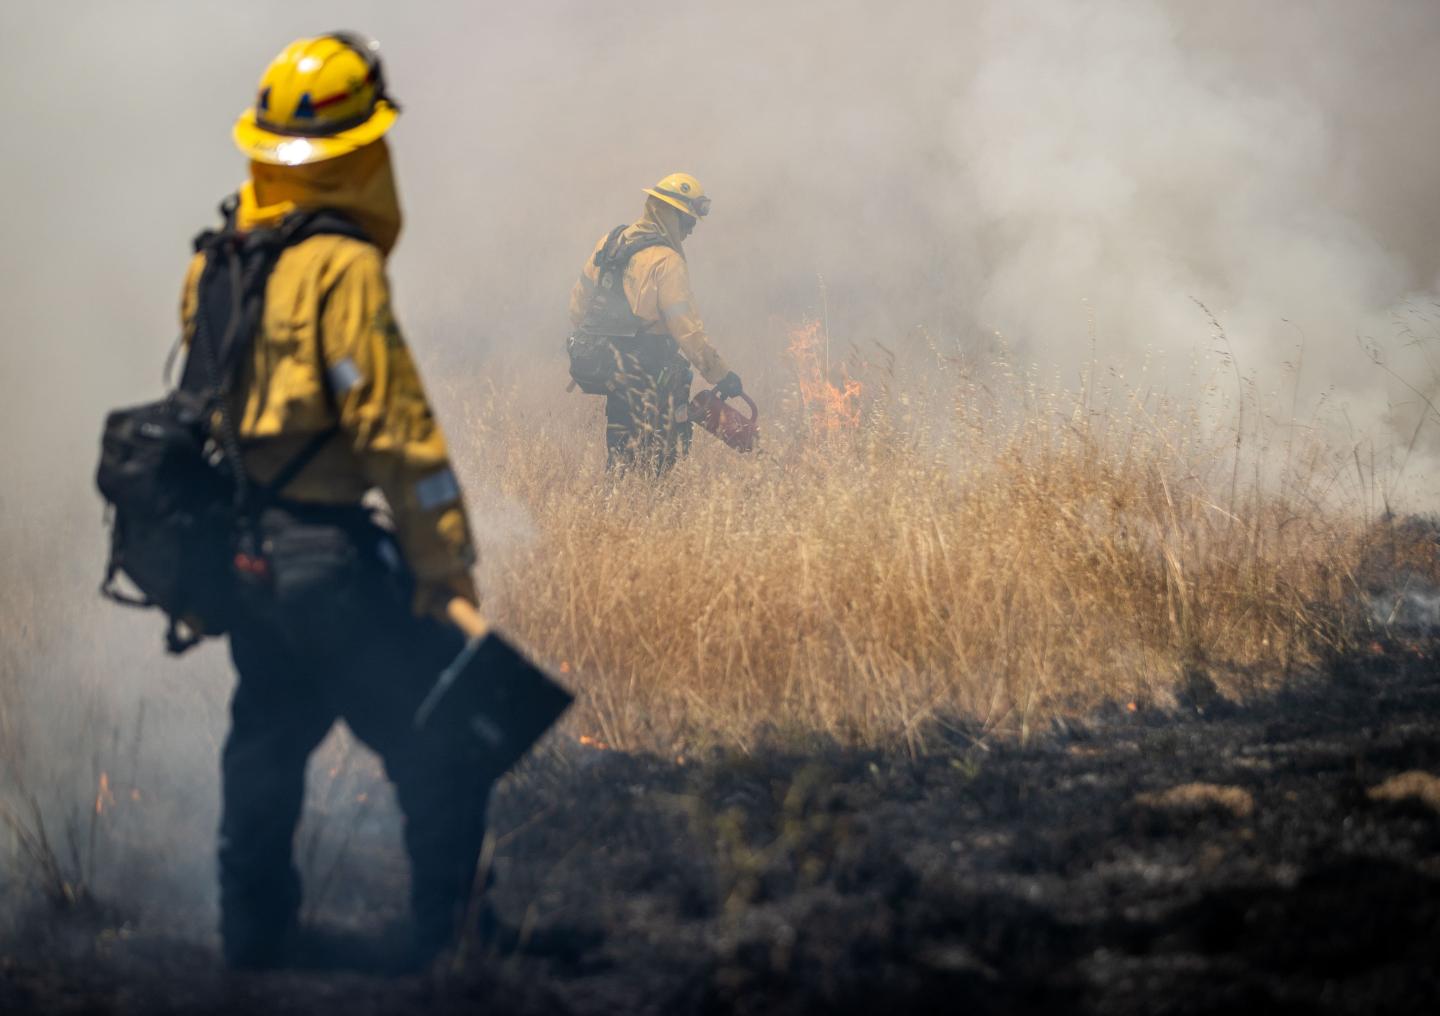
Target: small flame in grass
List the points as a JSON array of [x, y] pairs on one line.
[[564, 666], [103, 797], [830, 408], [593, 742]]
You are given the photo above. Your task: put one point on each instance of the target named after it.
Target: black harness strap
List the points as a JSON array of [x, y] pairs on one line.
[[232, 297], [608, 312], [614, 255], [296, 464]]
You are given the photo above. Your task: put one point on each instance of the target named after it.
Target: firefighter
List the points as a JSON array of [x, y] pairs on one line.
[[655, 333], [344, 621]]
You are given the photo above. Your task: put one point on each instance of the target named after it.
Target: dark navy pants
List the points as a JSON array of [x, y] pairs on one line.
[[331, 637], [647, 422]]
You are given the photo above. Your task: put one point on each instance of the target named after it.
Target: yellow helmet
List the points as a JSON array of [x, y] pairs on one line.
[[682, 191], [322, 97]]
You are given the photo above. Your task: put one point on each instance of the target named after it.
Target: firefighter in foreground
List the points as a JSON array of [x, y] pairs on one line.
[[634, 316], [344, 619]]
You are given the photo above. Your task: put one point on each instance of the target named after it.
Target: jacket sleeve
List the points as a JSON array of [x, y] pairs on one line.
[[387, 419], [578, 296], [584, 287], [677, 308]]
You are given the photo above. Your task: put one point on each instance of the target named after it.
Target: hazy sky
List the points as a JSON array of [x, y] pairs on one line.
[[1012, 166]]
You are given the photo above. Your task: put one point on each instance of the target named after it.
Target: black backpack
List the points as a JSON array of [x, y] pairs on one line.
[[594, 361], [183, 512]]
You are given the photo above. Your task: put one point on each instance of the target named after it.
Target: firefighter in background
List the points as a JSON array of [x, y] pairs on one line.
[[347, 624], [645, 333]]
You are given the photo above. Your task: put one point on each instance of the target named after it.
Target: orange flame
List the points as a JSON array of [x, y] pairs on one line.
[[830, 408], [593, 742], [103, 797]]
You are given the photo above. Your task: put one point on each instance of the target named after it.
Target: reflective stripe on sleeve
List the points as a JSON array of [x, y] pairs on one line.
[[437, 489], [389, 554], [344, 376], [675, 309]]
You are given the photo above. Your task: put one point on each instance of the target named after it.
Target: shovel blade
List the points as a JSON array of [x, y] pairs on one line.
[[491, 694]]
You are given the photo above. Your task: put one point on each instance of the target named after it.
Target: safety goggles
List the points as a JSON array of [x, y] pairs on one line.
[[699, 207]]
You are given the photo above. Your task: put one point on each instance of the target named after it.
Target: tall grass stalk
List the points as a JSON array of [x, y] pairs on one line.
[[982, 549]]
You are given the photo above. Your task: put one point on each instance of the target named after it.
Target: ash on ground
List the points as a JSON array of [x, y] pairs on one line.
[[1284, 855]]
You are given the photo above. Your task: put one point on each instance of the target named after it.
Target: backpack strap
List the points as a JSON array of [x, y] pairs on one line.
[[607, 311], [605, 256], [320, 222], [232, 301], [615, 254], [297, 462]]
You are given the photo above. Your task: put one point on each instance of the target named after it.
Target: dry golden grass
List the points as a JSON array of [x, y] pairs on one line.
[[969, 549], [992, 553]]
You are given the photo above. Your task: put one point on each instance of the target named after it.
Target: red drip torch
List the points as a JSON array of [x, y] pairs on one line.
[[726, 422]]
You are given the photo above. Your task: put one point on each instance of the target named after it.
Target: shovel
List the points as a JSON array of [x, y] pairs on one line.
[[491, 692]]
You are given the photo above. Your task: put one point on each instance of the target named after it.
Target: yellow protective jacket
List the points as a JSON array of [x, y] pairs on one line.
[[657, 284], [327, 316]]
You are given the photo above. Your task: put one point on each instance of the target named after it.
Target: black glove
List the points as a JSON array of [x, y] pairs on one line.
[[729, 386]]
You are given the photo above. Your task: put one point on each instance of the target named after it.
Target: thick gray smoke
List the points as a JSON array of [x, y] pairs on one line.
[[1020, 167], [1025, 167]]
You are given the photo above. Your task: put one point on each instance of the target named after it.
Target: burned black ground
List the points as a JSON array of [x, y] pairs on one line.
[[985, 876]]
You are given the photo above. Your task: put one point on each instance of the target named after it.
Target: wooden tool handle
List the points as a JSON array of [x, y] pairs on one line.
[[464, 615]]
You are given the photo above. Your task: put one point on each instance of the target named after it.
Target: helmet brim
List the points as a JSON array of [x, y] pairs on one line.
[[673, 202], [295, 150]]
